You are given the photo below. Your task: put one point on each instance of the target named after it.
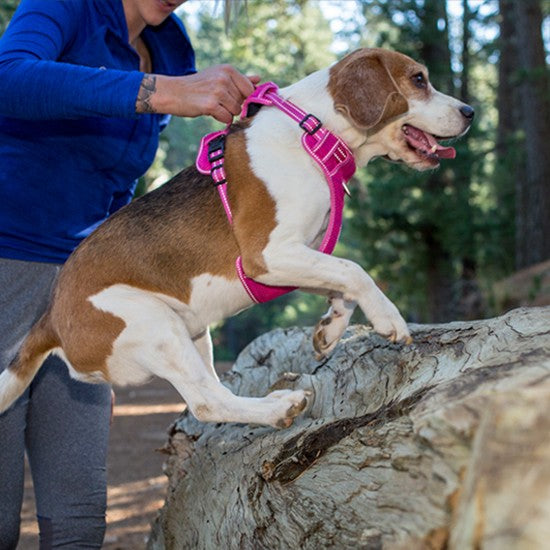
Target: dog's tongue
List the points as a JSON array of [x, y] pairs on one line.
[[426, 142]]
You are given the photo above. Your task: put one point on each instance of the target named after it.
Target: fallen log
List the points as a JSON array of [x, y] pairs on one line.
[[441, 444]]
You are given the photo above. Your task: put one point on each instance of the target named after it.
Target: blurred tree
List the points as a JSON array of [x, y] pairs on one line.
[[441, 186], [469, 300], [533, 186], [510, 163]]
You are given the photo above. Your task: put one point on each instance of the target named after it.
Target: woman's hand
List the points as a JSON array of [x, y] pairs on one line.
[[217, 91]]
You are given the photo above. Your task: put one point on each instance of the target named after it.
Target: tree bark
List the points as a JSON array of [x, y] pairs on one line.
[[441, 444]]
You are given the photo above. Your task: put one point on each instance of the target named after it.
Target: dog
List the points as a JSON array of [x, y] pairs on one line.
[[137, 296]]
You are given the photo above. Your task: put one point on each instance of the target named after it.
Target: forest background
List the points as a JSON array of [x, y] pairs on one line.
[[437, 243]]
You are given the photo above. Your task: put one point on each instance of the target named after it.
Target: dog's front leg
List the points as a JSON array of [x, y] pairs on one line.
[[203, 343], [298, 265]]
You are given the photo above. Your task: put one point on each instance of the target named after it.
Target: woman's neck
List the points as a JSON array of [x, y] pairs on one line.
[[134, 21]]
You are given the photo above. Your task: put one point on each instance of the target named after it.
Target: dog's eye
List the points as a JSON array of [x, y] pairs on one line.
[[419, 80]]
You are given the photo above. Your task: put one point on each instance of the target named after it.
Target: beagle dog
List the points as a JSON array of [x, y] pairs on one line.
[[136, 297]]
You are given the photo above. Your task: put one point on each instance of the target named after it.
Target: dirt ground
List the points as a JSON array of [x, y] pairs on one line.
[[137, 485]]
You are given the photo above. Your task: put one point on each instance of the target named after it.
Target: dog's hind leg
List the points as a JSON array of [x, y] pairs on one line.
[[156, 340], [332, 325], [210, 401]]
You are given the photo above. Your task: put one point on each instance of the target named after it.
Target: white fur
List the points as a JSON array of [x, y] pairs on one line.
[[332, 325], [11, 388]]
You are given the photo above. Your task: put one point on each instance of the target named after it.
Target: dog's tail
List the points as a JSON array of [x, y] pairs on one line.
[[38, 344]]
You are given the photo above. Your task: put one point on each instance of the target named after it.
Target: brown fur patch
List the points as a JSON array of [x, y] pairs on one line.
[[371, 86], [253, 208], [159, 242], [40, 340], [86, 334]]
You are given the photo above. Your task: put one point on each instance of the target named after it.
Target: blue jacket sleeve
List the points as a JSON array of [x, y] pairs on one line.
[[35, 85]]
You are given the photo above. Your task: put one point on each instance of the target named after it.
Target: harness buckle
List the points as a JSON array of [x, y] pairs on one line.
[[216, 148], [308, 119]]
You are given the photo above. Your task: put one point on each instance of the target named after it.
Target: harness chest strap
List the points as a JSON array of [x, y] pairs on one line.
[[331, 154]]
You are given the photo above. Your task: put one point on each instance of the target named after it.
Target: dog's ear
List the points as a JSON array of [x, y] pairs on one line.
[[364, 91]]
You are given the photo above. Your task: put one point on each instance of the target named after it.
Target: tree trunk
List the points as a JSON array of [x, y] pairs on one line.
[[470, 303], [510, 149], [441, 444], [440, 274], [533, 189]]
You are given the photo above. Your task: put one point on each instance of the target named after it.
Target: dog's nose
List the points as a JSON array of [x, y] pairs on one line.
[[467, 111]]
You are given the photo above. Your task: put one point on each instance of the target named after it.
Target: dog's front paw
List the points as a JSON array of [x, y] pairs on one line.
[[388, 322], [327, 333], [331, 326]]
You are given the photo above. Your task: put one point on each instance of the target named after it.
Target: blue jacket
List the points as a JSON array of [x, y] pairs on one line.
[[71, 145]]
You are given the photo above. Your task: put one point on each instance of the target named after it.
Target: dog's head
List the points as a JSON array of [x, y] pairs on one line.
[[388, 97]]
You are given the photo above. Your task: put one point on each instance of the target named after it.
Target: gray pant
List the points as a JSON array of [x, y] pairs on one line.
[[62, 423]]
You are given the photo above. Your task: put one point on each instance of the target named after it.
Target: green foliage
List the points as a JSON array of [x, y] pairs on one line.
[[279, 40], [7, 7], [297, 308]]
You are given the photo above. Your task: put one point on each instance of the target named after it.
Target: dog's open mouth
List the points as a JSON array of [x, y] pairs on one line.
[[425, 145]]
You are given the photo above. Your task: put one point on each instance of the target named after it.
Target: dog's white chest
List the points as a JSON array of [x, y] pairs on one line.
[[297, 185]]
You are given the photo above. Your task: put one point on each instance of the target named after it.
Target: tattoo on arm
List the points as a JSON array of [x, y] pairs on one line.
[[146, 91]]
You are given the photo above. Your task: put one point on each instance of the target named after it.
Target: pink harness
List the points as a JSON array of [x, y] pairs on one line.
[[331, 154]]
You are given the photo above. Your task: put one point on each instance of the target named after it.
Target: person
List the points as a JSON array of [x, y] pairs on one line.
[[86, 86]]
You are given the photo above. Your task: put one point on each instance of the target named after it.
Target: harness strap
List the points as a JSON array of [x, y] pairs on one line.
[[216, 154], [331, 154]]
